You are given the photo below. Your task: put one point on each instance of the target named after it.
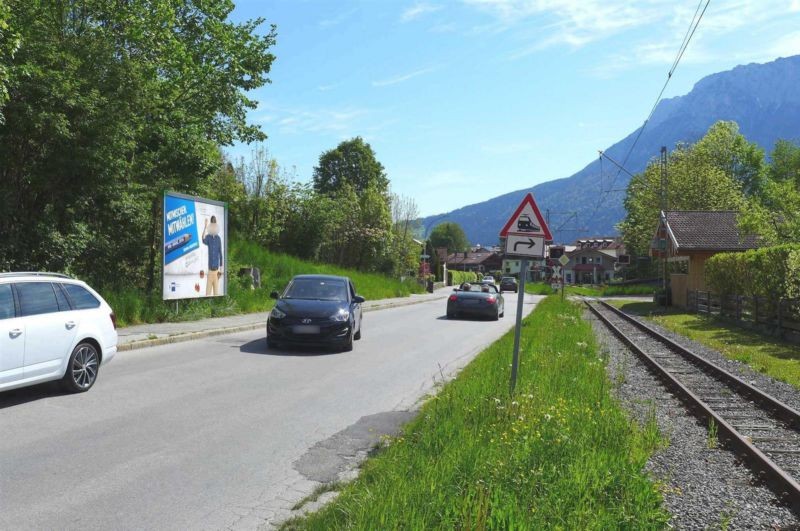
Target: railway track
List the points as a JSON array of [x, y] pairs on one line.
[[762, 431]]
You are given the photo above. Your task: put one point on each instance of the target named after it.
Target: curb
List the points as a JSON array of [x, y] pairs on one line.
[[190, 336]]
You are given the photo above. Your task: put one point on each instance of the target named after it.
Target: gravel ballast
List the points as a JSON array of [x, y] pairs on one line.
[[703, 487]]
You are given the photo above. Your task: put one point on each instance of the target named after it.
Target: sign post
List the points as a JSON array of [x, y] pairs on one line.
[[563, 261], [525, 233]]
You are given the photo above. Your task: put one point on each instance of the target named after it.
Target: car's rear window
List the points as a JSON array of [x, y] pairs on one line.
[[36, 298], [80, 297], [6, 302]]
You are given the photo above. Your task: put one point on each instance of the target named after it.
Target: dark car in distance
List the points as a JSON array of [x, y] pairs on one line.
[[508, 284], [476, 300], [316, 310]]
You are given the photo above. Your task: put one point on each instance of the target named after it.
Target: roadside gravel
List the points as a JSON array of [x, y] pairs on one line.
[[703, 488]]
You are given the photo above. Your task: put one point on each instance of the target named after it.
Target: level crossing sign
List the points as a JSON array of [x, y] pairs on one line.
[[526, 230], [525, 233]]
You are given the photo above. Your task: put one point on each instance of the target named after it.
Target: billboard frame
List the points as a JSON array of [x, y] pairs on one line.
[[196, 199]]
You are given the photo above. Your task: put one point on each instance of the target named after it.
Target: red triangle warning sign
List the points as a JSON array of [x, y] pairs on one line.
[[527, 220]]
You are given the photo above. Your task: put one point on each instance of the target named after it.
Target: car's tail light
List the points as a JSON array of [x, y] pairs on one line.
[[453, 298], [113, 320], [491, 300]]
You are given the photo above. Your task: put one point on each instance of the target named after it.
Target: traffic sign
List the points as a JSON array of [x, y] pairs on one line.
[[522, 244], [527, 220], [564, 260]]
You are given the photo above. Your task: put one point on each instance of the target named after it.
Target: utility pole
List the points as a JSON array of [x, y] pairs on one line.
[[664, 206]]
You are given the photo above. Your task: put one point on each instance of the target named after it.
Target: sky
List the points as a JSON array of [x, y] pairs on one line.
[[464, 100]]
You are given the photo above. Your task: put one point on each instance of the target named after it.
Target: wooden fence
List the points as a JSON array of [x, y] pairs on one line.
[[780, 317]]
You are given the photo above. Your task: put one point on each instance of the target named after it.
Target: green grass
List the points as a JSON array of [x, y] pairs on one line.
[[542, 288], [768, 355], [560, 454], [133, 306]]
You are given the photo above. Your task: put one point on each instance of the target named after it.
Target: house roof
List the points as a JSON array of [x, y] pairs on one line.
[[471, 258], [703, 230]]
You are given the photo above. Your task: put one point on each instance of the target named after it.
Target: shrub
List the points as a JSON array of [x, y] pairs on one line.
[[768, 272], [455, 278]]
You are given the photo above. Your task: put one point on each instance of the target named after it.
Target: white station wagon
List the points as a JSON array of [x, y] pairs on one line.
[[53, 327]]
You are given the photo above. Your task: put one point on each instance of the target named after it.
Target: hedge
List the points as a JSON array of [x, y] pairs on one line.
[[772, 272], [456, 278]]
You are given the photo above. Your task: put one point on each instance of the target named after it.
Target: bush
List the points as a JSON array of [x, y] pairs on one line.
[[456, 278], [771, 272]]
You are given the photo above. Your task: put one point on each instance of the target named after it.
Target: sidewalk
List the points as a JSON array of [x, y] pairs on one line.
[[154, 334]]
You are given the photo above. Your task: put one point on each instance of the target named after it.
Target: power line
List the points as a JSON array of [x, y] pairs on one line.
[[681, 50]]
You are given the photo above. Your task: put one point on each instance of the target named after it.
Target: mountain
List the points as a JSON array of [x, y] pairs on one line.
[[762, 98]]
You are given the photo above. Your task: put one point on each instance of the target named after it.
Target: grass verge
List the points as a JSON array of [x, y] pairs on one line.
[[560, 454], [134, 306], [768, 355], [541, 288]]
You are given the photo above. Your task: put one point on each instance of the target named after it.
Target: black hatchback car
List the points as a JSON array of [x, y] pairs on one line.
[[508, 284], [316, 310]]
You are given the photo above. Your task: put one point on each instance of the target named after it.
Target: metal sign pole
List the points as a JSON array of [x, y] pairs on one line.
[[520, 300]]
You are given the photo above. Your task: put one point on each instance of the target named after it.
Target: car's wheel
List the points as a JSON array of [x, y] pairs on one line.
[[272, 344], [358, 334], [82, 368], [496, 315], [451, 315]]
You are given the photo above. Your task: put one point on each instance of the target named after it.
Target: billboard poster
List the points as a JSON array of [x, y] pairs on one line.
[[195, 247]]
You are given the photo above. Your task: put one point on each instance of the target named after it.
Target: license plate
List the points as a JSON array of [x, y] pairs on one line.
[[471, 302], [306, 329]]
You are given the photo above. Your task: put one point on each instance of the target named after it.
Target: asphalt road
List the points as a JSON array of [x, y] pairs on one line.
[[208, 434]]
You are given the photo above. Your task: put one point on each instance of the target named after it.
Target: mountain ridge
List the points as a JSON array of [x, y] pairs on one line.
[[761, 97]]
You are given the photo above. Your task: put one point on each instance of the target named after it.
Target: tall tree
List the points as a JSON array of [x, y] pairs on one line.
[[109, 104], [450, 235], [774, 214], [700, 177], [352, 163]]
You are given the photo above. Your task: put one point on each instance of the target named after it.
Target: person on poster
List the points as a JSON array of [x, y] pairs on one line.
[[213, 241]]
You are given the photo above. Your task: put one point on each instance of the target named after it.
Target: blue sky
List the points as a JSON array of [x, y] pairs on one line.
[[464, 100]]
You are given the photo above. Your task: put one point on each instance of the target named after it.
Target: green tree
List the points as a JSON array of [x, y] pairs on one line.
[[450, 235], [110, 103], [9, 42], [725, 148], [352, 163], [774, 214], [699, 178]]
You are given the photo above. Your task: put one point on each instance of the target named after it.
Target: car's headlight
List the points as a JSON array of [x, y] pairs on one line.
[[341, 315], [277, 314]]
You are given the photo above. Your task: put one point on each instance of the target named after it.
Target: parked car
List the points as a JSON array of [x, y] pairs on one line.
[[478, 300], [509, 284], [53, 327], [489, 278], [316, 310]]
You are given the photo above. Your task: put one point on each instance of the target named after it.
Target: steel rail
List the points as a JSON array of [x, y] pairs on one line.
[[782, 484], [767, 401]]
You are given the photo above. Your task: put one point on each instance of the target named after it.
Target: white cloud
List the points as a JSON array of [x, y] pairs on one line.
[[338, 19], [418, 10], [342, 121], [573, 23], [786, 45], [401, 78], [326, 88]]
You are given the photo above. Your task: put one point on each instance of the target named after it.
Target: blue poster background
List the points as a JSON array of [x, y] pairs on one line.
[[180, 228]]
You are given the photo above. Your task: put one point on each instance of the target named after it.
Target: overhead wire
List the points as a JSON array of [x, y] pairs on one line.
[[693, 25]]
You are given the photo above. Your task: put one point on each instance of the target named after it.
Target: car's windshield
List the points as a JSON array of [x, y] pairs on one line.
[[317, 289]]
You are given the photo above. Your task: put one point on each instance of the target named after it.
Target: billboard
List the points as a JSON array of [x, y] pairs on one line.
[[195, 247]]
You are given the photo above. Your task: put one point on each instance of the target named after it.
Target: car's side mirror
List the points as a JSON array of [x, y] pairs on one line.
[[358, 299], [274, 295]]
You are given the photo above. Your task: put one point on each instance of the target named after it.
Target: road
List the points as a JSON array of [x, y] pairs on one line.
[[220, 433]]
